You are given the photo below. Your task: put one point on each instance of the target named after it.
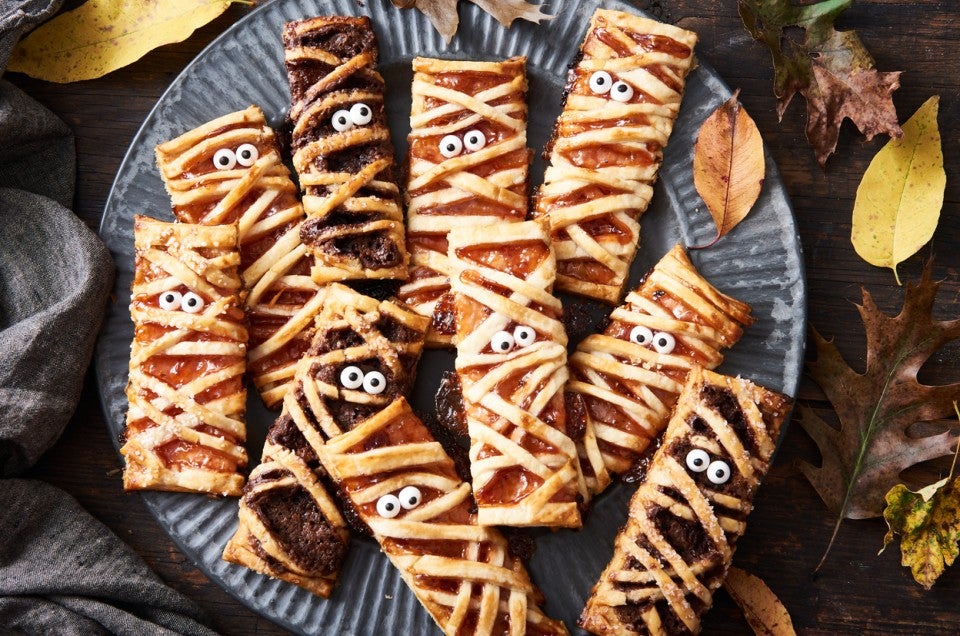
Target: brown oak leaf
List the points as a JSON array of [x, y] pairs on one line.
[[863, 459], [443, 13]]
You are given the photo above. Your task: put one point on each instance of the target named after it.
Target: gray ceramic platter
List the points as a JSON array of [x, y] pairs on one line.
[[760, 262]]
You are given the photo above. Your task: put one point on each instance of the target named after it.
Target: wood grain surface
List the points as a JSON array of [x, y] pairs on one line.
[[857, 590]]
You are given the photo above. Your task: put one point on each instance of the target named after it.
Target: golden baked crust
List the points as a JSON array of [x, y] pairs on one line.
[[628, 382], [468, 166], [185, 429], [511, 361], [686, 517], [229, 171], [622, 98], [342, 150]]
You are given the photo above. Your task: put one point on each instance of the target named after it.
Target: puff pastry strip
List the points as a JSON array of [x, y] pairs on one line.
[[511, 361], [468, 166], [342, 150], [229, 171], [686, 517], [623, 96], [629, 382], [185, 429]]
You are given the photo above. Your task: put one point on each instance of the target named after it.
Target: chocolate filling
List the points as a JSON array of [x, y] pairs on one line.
[[724, 402], [395, 331], [329, 340], [374, 250], [687, 537], [284, 432]]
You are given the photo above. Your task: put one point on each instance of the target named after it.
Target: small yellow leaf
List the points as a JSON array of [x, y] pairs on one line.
[[901, 193], [761, 607], [103, 35], [728, 165]]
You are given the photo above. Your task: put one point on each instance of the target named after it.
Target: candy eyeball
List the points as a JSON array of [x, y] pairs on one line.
[[698, 460], [341, 121], [664, 342], [224, 159], [600, 82], [718, 472], [502, 342], [388, 506], [474, 140], [451, 146], [410, 497], [351, 378], [247, 155], [170, 300], [641, 335], [374, 383], [524, 336], [361, 114], [621, 92], [191, 303]]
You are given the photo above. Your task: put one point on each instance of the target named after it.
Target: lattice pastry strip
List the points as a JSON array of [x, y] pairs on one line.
[[405, 487], [185, 429], [229, 170], [342, 150], [622, 98], [685, 518], [512, 365], [468, 164], [630, 375]]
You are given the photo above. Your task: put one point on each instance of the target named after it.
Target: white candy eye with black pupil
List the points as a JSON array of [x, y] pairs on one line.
[[718, 472], [524, 336], [664, 342], [341, 121], [502, 342], [374, 383], [388, 506], [170, 300], [474, 140], [641, 335], [191, 303], [224, 159], [600, 82], [247, 155], [621, 92], [361, 114], [698, 460], [351, 377], [451, 146], [410, 497]]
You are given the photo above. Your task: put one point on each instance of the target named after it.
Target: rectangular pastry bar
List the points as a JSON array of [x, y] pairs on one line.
[[622, 98], [686, 517], [342, 150], [229, 171], [185, 428], [468, 166], [512, 365]]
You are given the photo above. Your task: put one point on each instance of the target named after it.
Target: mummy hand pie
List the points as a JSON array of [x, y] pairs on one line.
[[511, 361], [342, 150], [686, 517], [229, 171], [185, 429], [468, 166], [630, 375], [622, 98]]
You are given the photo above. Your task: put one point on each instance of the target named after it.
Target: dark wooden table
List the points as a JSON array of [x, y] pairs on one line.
[[857, 590]]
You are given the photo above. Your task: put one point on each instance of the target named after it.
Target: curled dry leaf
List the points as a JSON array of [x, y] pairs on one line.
[[443, 13], [103, 35], [761, 607], [728, 165], [899, 198]]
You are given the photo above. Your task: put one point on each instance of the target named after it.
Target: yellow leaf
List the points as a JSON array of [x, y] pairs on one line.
[[103, 35], [901, 193], [764, 611], [728, 165]]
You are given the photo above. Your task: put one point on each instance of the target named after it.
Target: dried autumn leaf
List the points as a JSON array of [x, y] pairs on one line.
[[901, 193], [864, 457], [831, 69], [103, 35], [443, 13], [761, 607], [728, 165], [506, 11]]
